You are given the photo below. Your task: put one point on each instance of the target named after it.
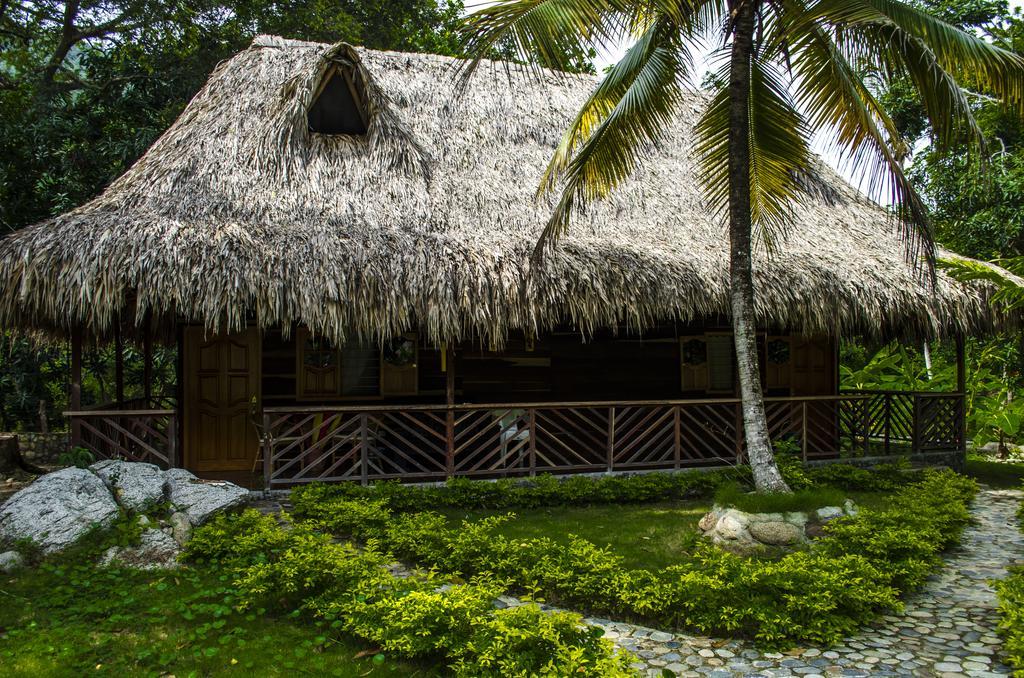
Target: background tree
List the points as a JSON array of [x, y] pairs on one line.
[[790, 67]]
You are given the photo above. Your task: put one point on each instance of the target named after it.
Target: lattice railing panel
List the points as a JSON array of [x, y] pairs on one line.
[[644, 436], [573, 438], [491, 441], [132, 436], [709, 432]]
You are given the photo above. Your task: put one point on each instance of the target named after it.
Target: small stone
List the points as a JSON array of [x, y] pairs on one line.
[[181, 527], [948, 667], [10, 561], [827, 513]]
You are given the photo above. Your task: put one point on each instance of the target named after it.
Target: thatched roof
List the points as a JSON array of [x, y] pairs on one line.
[[238, 211]]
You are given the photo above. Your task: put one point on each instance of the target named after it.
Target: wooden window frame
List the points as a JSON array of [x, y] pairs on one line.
[[303, 334]]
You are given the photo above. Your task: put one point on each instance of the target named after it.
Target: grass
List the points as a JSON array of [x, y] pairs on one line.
[[647, 536], [995, 473], [804, 500], [70, 618]]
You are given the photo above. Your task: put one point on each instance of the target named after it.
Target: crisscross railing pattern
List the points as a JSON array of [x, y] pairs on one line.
[[434, 442], [133, 435]]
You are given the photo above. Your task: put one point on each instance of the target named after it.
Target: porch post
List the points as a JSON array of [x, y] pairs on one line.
[[118, 362], [147, 360], [961, 387], [449, 391], [75, 397]]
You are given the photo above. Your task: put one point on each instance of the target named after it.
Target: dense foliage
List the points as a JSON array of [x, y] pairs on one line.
[[991, 371], [1010, 592], [306, 572], [857, 571]]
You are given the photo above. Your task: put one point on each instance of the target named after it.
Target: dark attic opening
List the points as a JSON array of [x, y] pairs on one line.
[[337, 107]]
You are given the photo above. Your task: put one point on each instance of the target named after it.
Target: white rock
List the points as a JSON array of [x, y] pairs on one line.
[[10, 561], [200, 499], [181, 528], [730, 526], [796, 518], [827, 513], [155, 551], [57, 509], [850, 507], [137, 486]]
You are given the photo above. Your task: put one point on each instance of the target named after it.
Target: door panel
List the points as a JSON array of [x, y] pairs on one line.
[[221, 379]]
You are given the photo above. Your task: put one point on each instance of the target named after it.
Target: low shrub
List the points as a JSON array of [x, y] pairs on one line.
[[1010, 593], [805, 500], [546, 490], [296, 568], [858, 570]]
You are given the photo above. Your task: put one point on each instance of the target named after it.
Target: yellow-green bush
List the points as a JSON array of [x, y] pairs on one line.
[[857, 571], [308, 572]]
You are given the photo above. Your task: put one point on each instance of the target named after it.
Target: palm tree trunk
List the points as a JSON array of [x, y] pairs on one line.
[[741, 279]]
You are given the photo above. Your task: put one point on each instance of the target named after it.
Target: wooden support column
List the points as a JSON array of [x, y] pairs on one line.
[[75, 395], [147, 360], [961, 387], [118, 362], [449, 392]]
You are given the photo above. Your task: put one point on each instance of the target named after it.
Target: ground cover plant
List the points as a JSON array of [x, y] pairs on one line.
[[303, 572], [1010, 592], [68, 617], [259, 597], [860, 569]]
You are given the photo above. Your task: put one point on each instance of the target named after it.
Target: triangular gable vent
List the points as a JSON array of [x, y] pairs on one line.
[[337, 107]]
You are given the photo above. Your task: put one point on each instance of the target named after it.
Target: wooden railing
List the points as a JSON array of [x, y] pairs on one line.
[[432, 442], [149, 435]]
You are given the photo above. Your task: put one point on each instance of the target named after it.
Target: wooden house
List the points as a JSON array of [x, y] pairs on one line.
[[339, 243]]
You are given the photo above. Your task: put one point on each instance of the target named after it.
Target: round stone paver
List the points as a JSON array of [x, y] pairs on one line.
[[947, 628]]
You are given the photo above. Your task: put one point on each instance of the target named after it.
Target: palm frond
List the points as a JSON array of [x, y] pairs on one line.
[[997, 70], [779, 151], [544, 32], [1009, 291], [833, 96], [627, 114]]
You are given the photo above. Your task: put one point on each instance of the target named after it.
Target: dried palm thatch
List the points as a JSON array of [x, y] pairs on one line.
[[240, 213]]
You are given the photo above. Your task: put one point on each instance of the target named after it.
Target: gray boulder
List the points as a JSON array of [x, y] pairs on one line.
[[200, 499], [10, 561], [57, 509], [181, 528], [776, 533], [155, 551], [136, 486]]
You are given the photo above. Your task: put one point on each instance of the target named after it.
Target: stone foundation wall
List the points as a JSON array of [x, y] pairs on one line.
[[42, 448]]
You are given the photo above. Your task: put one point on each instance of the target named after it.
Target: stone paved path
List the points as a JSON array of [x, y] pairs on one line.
[[947, 629]]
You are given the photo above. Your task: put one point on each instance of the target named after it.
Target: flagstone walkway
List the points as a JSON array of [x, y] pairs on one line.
[[947, 628]]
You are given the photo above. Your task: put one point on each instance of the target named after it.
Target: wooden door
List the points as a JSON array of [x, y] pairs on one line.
[[222, 379]]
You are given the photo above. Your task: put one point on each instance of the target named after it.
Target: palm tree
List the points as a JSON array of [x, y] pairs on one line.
[[793, 67]]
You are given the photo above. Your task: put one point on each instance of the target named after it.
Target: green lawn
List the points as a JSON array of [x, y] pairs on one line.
[[73, 620], [647, 536]]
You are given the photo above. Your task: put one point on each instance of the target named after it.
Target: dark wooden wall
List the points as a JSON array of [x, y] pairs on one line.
[[561, 366]]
